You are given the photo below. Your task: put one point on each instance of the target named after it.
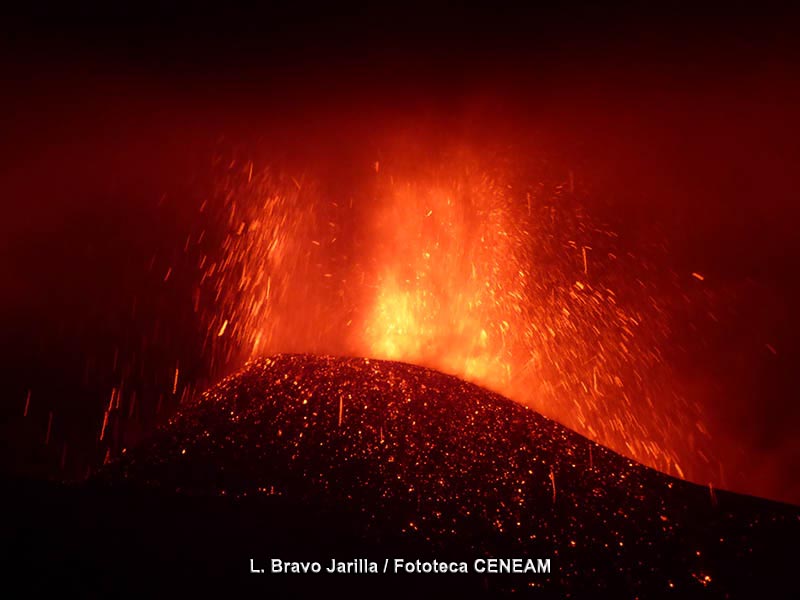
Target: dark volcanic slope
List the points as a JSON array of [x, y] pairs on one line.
[[416, 460]]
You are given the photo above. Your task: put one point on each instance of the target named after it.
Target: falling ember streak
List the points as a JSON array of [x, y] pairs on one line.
[[553, 482], [222, 329], [175, 381], [105, 424], [341, 402], [27, 404], [107, 413], [585, 263], [698, 276]]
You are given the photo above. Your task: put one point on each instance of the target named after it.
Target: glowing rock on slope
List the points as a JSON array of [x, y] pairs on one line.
[[424, 456]]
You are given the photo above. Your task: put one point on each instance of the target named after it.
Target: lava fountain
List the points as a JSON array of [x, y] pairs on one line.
[[475, 268]]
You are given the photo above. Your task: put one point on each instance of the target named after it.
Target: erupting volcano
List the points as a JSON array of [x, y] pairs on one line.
[[400, 284], [367, 315]]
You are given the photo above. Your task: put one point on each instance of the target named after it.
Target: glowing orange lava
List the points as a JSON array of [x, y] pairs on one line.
[[448, 275], [470, 269]]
